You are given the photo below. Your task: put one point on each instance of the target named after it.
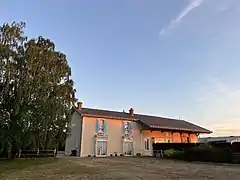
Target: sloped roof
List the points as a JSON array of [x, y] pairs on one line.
[[171, 124], [152, 122], [105, 113]]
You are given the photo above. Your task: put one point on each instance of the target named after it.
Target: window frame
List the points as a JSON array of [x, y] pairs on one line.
[[104, 126], [147, 144]]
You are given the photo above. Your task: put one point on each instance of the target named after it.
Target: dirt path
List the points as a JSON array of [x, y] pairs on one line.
[[125, 168]]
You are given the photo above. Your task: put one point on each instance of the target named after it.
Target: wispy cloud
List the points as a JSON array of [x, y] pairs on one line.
[[191, 6], [218, 104], [224, 5]]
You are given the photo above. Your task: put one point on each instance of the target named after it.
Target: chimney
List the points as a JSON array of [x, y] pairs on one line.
[[131, 111], [79, 105]]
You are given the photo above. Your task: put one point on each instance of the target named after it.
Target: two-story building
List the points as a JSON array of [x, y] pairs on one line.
[[96, 132]]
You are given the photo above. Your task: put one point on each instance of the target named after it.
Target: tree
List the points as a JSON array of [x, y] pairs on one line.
[[36, 92]]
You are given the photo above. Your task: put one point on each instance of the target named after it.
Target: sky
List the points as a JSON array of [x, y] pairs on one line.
[[170, 58]]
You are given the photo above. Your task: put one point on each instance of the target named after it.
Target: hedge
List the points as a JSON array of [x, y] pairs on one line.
[[208, 154], [173, 154]]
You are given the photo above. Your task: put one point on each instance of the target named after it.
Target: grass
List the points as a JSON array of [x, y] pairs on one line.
[[18, 164], [128, 168], [54, 169]]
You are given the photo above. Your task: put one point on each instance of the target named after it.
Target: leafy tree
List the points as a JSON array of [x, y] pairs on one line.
[[36, 92]]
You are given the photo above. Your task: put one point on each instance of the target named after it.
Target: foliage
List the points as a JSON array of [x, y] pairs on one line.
[[36, 92], [173, 154], [208, 154], [176, 146]]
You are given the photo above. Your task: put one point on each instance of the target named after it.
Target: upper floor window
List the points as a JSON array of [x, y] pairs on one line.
[[127, 127], [101, 126]]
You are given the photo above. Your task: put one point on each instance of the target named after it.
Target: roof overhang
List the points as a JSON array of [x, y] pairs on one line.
[[157, 127]]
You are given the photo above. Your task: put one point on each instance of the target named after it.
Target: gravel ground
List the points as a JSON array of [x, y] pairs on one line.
[[124, 168]]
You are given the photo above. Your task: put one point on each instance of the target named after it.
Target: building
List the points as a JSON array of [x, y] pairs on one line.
[[96, 132], [227, 139]]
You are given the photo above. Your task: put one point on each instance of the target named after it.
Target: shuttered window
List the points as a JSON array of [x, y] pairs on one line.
[[101, 126], [127, 127]]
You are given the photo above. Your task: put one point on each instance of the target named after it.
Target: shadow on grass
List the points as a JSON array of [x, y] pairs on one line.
[[17, 164]]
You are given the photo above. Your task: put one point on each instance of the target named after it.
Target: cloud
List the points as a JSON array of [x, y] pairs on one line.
[[218, 104], [191, 6], [224, 5]]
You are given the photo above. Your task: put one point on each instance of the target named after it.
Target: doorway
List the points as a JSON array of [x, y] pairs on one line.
[[101, 148], [128, 148]]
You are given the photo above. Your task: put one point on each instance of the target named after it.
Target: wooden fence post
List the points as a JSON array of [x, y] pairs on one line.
[[54, 152], [19, 153]]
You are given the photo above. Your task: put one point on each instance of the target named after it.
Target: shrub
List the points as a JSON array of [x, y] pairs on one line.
[[173, 154], [169, 153]]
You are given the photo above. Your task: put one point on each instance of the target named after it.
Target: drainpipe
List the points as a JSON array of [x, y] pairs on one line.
[[141, 141]]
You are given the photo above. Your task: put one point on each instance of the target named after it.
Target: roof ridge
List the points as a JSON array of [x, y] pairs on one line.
[[168, 118]]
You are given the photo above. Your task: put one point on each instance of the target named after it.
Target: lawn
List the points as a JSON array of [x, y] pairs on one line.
[[114, 168], [18, 164]]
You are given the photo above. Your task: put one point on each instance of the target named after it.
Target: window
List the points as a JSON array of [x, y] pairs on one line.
[[127, 128], [101, 126], [147, 144]]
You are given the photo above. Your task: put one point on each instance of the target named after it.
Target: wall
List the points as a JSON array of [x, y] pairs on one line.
[[166, 137], [170, 137], [114, 132], [74, 140]]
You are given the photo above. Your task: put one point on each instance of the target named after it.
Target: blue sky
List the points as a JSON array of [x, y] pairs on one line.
[[169, 58]]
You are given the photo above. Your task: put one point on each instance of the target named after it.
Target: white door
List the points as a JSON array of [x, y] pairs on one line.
[[128, 148], [101, 148]]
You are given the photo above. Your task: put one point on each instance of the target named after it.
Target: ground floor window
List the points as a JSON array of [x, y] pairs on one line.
[[147, 144]]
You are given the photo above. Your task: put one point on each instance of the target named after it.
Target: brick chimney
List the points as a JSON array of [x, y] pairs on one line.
[[79, 105], [131, 111]]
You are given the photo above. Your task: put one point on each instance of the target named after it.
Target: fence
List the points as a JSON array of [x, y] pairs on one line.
[[234, 147], [37, 153], [175, 146], [218, 152]]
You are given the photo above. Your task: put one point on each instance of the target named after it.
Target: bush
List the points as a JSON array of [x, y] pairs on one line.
[[173, 154], [208, 154], [169, 153]]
